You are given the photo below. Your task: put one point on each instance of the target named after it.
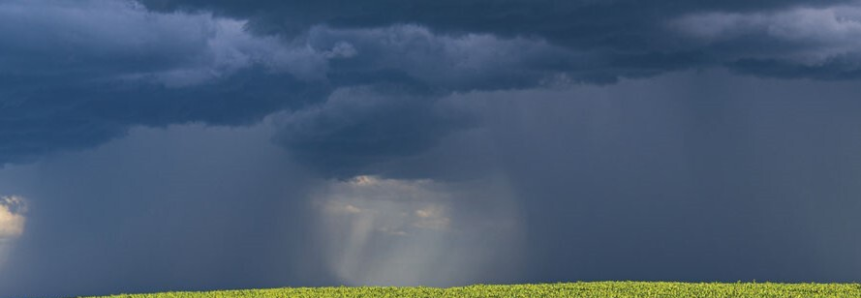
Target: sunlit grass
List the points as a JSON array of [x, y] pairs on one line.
[[579, 289]]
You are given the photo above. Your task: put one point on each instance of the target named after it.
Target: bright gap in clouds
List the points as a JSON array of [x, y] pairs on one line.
[[12, 210], [377, 231]]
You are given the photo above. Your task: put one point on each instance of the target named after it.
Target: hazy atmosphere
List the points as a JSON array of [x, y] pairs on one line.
[[159, 145]]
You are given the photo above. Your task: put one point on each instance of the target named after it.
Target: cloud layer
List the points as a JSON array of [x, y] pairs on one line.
[[86, 72], [624, 38], [819, 43]]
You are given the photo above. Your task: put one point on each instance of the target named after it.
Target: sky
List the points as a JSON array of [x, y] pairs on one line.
[[158, 145]]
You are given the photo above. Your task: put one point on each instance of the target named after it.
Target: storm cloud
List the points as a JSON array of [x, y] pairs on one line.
[[77, 75], [623, 38], [294, 143]]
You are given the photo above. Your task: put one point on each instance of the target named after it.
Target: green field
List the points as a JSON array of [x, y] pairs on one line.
[[579, 289]]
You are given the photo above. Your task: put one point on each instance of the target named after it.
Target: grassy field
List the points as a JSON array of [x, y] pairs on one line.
[[579, 289]]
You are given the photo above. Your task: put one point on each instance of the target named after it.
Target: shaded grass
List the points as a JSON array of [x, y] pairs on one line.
[[573, 290]]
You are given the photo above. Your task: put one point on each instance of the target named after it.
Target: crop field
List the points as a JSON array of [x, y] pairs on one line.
[[568, 290]]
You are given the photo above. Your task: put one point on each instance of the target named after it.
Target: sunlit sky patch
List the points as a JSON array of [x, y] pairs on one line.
[[379, 231]]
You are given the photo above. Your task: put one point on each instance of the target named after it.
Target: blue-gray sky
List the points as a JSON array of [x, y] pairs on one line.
[[186, 145]]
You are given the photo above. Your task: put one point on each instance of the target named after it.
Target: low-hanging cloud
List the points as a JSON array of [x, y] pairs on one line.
[[117, 65], [798, 42], [360, 126], [627, 38], [87, 71]]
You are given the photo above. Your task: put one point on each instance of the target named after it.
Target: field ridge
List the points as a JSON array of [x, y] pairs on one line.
[[612, 289]]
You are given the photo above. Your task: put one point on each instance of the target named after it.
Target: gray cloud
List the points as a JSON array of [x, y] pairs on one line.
[[359, 127], [801, 42], [571, 22], [118, 65], [627, 38], [86, 72]]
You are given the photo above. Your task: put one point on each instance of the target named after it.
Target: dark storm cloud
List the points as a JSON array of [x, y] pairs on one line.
[[358, 127], [801, 42], [493, 45], [84, 73], [627, 38], [77, 74], [584, 23], [87, 114]]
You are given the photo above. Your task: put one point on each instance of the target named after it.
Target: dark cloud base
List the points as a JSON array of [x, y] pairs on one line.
[[83, 95]]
